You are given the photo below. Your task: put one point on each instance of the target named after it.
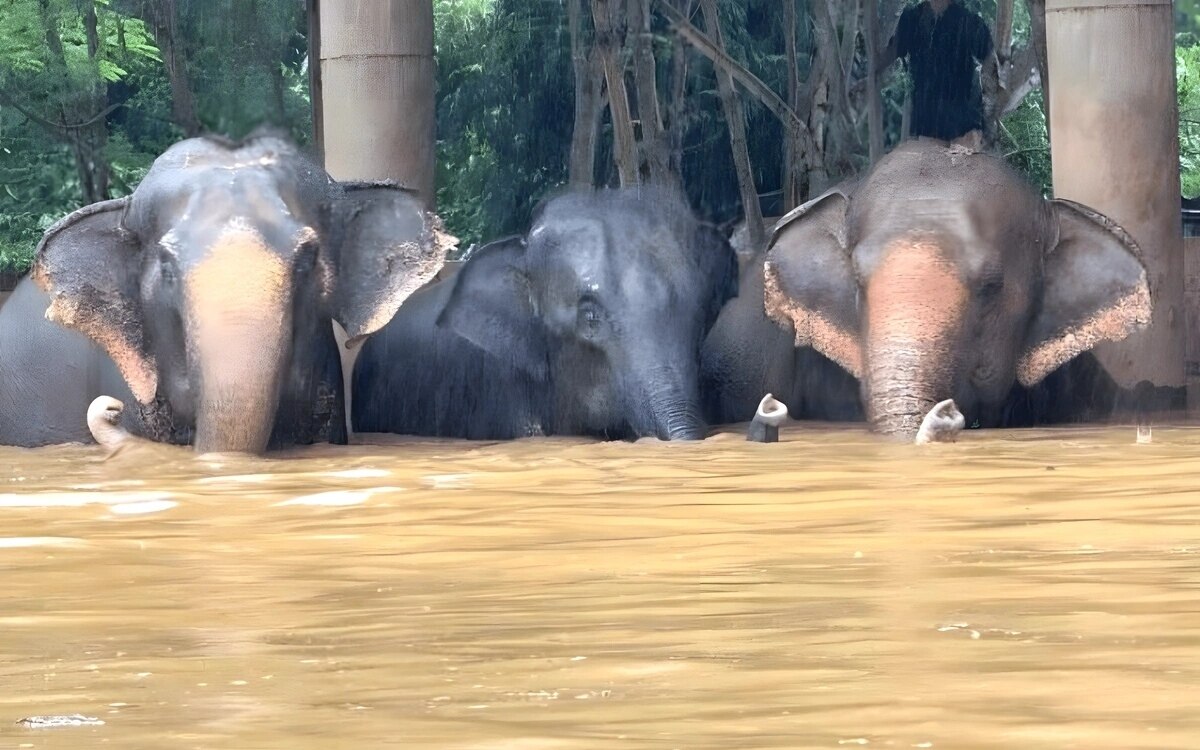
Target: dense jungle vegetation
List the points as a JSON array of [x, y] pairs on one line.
[[92, 90]]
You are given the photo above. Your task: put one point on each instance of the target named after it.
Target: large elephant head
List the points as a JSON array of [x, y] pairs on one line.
[[943, 274], [605, 302], [213, 286]]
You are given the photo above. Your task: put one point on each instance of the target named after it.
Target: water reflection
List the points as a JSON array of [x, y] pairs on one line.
[[1016, 589]]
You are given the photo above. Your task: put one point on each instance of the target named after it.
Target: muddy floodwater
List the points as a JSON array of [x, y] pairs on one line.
[[1019, 589]]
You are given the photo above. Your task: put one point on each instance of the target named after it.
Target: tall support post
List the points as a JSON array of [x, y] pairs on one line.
[[377, 91], [1115, 134]]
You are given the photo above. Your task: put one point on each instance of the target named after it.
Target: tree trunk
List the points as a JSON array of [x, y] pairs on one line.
[[624, 142], [92, 138], [676, 106], [163, 17], [874, 86], [735, 118], [588, 103], [832, 122], [791, 148], [378, 120], [314, 78], [1004, 29], [655, 147], [1037, 37]]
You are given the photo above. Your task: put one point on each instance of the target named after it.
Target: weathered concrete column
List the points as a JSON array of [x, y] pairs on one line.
[[377, 89], [1115, 134]]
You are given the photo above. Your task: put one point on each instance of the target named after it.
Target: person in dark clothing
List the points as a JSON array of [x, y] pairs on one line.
[[943, 43]]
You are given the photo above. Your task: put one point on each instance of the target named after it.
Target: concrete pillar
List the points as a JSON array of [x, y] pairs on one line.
[[377, 86], [1115, 134]]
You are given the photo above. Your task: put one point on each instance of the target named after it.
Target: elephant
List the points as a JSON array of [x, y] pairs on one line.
[[747, 354], [589, 325], [941, 274], [206, 300]]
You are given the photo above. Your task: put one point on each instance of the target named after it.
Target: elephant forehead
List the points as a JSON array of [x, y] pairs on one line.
[[916, 282], [203, 199], [238, 267]]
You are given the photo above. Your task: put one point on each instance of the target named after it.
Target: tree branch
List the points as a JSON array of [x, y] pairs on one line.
[[753, 84], [61, 127]]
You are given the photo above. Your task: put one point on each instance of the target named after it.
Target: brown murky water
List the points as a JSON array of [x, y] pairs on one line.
[[1016, 590]]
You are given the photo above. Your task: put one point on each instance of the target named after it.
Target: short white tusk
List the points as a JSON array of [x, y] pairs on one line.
[[103, 420], [942, 424], [771, 411]]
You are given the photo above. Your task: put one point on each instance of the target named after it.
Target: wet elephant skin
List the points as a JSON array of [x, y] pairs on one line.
[[211, 290], [591, 324]]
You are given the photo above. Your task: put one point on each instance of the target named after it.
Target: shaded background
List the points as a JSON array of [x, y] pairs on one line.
[[92, 90]]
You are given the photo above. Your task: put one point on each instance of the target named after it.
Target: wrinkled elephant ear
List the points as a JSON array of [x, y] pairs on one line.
[[810, 282], [385, 246], [1094, 290], [89, 265], [492, 306]]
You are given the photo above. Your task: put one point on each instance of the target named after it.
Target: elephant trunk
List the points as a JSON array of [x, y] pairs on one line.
[[670, 408], [239, 317], [916, 303]]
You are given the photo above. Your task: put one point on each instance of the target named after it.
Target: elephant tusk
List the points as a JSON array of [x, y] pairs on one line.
[[942, 424], [770, 415], [103, 420], [771, 411]]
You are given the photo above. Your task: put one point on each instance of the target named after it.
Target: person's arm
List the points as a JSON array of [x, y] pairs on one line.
[[898, 45]]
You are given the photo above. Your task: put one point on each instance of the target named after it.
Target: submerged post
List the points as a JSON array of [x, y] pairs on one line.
[[377, 91], [1115, 134]]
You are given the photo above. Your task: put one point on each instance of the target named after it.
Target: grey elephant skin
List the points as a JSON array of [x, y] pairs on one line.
[[747, 355], [204, 301], [590, 325], [943, 274]]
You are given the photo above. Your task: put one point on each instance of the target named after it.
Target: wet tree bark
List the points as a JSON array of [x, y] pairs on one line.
[[793, 121], [677, 103], [92, 137], [874, 89], [588, 101], [1004, 29], [1037, 38], [607, 47], [791, 149], [313, 8], [735, 119], [163, 17], [655, 146]]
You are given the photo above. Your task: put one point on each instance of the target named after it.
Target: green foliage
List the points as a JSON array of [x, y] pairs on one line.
[[1025, 141], [54, 81], [1187, 73], [505, 112], [505, 101], [246, 63]]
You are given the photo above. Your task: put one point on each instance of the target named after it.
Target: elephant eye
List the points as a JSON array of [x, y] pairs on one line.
[[992, 287], [306, 256], [166, 269], [590, 315]]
